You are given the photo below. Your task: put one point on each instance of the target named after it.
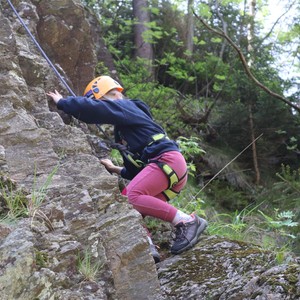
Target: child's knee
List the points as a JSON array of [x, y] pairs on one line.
[[132, 195]]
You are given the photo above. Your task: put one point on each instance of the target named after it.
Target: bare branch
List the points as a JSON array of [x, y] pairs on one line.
[[222, 34], [277, 21]]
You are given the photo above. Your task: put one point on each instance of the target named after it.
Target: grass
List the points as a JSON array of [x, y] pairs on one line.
[[270, 229], [188, 203], [14, 200], [271, 232], [37, 198], [87, 267], [19, 205]]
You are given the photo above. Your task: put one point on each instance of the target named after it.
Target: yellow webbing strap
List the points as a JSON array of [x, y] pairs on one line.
[[173, 178], [157, 137], [137, 163], [170, 194]]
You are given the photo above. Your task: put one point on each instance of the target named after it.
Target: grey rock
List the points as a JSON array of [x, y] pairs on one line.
[[75, 205]]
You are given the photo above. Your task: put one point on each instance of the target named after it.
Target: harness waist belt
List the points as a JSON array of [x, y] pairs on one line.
[[137, 162], [156, 137]]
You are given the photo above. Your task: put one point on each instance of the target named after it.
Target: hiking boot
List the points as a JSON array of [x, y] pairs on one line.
[[187, 234], [154, 253]]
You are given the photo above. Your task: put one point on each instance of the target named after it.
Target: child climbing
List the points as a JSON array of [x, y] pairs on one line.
[[152, 162]]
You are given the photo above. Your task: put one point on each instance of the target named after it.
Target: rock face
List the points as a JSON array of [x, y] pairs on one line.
[[220, 269], [82, 211]]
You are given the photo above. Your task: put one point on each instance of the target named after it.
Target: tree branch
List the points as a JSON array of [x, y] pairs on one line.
[[277, 21], [222, 34]]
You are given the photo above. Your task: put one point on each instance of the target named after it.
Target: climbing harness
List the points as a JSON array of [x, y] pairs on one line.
[[129, 156], [134, 158], [170, 173], [173, 178]]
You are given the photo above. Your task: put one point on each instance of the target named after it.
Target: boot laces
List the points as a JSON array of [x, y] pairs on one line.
[[180, 232]]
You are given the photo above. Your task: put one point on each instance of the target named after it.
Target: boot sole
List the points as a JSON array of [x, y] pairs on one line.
[[193, 242]]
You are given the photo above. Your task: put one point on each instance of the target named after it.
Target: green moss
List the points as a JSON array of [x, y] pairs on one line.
[[41, 259], [201, 270], [286, 280], [291, 276]]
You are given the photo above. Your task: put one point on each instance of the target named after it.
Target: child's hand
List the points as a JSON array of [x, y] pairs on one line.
[[56, 96], [108, 164], [110, 167]]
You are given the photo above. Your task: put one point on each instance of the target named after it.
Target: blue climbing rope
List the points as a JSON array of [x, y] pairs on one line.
[[41, 50], [48, 60]]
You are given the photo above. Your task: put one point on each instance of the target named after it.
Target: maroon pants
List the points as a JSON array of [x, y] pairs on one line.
[[144, 192]]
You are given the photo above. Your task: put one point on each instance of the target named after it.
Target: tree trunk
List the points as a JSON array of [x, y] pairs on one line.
[[143, 48], [224, 26], [250, 37], [254, 150], [190, 27]]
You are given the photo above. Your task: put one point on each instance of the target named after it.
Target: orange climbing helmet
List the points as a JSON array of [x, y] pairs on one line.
[[101, 85]]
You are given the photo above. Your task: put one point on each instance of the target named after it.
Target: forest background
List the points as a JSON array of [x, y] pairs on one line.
[[222, 77]]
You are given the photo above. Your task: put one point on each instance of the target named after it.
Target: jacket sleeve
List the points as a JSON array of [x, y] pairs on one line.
[[129, 171], [92, 111], [125, 174]]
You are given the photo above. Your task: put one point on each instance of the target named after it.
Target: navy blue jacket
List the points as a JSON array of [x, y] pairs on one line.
[[133, 125]]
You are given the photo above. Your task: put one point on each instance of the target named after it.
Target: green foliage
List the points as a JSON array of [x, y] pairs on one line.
[[39, 194], [290, 182], [281, 240], [228, 226], [285, 191], [134, 76], [18, 205], [225, 196], [275, 229], [293, 144], [233, 225], [87, 267], [101, 69], [153, 33], [280, 221], [211, 87], [188, 202], [37, 198], [282, 254], [204, 10], [116, 157], [15, 202], [272, 232], [190, 148]]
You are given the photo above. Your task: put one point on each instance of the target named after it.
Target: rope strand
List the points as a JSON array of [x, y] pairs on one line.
[[50, 63], [40, 48]]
